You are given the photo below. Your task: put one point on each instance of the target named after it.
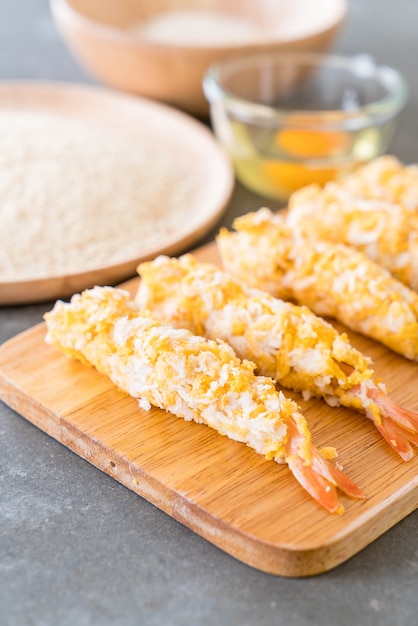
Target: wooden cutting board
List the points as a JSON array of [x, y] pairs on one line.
[[249, 507]]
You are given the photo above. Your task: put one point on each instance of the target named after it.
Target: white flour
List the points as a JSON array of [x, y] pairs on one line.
[[198, 28], [74, 197]]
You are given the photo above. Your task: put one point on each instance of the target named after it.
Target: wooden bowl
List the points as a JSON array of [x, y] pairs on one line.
[[161, 49]]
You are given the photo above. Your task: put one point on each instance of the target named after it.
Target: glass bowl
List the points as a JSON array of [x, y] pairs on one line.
[[289, 120]]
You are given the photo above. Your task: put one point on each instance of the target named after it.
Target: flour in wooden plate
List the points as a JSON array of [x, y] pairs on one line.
[[75, 197]]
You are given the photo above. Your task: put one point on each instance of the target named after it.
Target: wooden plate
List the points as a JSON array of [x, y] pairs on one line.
[[249, 507], [189, 144]]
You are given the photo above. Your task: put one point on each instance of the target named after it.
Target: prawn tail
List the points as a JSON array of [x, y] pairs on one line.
[[318, 487], [398, 425], [335, 475], [316, 474]]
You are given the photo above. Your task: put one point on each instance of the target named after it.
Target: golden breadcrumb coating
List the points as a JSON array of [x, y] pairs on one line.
[[286, 341], [173, 369], [386, 232], [386, 178], [332, 279]]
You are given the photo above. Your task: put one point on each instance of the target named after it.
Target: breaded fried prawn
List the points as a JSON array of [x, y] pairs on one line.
[[333, 280], [386, 178], [387, 233], [193, 378], [287, 342]]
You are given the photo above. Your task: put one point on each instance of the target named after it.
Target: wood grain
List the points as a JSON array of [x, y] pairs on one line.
[[251, 508]]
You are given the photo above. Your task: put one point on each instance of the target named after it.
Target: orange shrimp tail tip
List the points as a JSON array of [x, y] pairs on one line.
[[318, 487], [317, 475], [335, 476], [399, 426], [398, 438]]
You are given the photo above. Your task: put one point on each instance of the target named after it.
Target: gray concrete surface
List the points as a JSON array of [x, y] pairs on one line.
[[77, 548]]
